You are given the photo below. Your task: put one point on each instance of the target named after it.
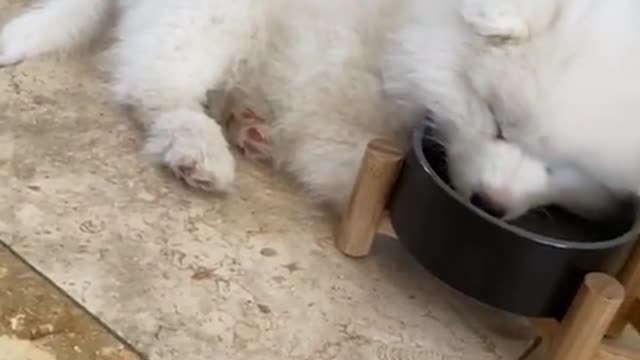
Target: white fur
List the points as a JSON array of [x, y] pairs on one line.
[[560, 90], [51, 25], [554, 77]]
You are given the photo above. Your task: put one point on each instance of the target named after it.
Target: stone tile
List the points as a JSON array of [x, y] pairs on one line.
[[185, 275], [38, 322]]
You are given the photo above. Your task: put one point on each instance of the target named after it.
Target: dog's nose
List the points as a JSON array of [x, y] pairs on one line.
[[489, 206]]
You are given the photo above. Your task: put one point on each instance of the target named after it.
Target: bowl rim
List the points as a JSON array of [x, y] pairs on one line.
[[418, 150]]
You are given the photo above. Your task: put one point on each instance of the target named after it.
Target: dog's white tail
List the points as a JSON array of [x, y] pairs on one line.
[[52, 26]]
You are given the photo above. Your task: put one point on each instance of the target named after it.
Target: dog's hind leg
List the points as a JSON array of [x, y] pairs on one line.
[[51, 26]]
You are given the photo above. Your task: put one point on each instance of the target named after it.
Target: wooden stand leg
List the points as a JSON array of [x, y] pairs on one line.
[[378, 172], [581, 332], [630, 279], [634, 316]]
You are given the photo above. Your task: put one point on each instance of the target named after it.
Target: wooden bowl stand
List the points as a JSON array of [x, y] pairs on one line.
[[601, 310]]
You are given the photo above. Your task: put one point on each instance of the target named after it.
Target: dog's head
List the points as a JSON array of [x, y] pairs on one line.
[[497, 95], [505, 181]]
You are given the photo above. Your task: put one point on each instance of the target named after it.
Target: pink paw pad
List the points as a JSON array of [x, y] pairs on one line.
[[249, 133]]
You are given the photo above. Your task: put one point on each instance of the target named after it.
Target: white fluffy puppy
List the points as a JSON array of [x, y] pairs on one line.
[[536, 100]]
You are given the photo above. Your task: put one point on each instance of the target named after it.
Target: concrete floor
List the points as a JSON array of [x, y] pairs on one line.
[[186, 275]]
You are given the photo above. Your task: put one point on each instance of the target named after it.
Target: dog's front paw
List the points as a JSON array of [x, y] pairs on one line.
[[499, 177], [7, 57], [192, 146], [200, 164], [495, 19], [15, 38]]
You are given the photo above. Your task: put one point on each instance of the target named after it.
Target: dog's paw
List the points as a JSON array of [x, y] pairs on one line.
[[499, 177], [494, 19], [254, 144], [201, 165], [7, 57], [15, 38], [192, 146], [250, 134]]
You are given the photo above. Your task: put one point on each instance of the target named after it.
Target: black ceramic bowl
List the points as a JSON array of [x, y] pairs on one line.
[[531, 267]]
